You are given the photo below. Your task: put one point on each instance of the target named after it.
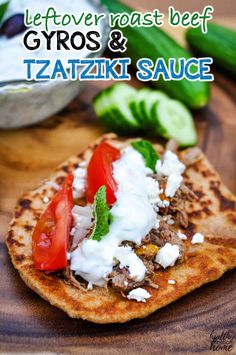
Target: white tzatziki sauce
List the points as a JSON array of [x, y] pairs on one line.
[[133, 216], [12, 50]]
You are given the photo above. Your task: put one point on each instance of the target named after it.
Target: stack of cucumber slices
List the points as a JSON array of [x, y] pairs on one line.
[[125, 110]]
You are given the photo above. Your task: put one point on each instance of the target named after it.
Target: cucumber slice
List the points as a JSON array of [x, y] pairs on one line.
[[112, 106], [119, 96], [101, 106], [174, 120], [147, 104], [136, 107]]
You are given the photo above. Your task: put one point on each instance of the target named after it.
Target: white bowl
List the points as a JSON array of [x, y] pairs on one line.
[[26, 103]]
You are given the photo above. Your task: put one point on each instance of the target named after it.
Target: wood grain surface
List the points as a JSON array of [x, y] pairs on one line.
[[28, 323]]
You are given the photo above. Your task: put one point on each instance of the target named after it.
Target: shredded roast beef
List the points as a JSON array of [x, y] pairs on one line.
[[185, 193], [176, 210], [182, 218], [119, 279], [177, 205], [70, 279], [165, 235]]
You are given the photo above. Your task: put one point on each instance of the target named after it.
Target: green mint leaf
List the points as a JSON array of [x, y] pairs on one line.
[[101, 213], [3, 9], [148, 152]]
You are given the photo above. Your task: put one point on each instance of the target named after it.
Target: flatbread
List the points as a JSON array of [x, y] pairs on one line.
[[214, 215]]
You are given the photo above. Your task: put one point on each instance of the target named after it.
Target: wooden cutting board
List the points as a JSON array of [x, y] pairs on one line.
[[28, 323]]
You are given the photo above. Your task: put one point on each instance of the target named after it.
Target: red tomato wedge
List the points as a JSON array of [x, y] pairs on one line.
[[51, 234], [99, 172]]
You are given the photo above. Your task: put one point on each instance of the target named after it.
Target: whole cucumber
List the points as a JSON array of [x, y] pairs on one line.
[[219, 43], [153, 43]]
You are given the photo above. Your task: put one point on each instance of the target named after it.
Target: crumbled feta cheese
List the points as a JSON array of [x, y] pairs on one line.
[[167, 255], [139, 294], [127, 258], [198, 238], [171, 167], [173, 183], [171, 282], [163, 203], [153, 193], [157, 224], [181, 235], [53, 184], [126, 283], [90, 286], [170, 222], [45, 199], [79, 183]]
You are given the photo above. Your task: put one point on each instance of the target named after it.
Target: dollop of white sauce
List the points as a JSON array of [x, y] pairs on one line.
[[173, 168], [167, 255], [12, 50], [139, 294], [153, 190], [198, 238], [133, 217]]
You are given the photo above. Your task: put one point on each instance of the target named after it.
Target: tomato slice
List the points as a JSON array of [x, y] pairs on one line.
[[99, 172], [51, 234]]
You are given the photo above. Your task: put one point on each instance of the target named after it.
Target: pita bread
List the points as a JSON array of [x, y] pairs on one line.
[[214, 215]]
